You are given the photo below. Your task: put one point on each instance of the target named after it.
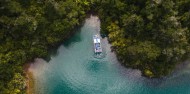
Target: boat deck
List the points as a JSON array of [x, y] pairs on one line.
[[97, 44]]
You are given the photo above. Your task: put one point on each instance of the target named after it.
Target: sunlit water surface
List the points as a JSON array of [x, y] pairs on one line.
[[75, 70]]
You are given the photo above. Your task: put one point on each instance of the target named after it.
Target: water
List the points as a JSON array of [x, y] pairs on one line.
[[75, 70]]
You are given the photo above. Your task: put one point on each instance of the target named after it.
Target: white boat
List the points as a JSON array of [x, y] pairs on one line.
[[97, 44]]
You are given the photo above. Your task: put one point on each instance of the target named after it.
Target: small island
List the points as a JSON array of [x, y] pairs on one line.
[[150, 35]]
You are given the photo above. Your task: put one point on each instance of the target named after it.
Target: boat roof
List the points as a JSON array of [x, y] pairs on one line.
[[96, 39]]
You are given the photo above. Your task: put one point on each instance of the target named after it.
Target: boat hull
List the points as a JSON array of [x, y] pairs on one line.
[[97, 44]]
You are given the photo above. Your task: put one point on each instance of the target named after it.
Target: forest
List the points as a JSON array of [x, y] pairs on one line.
[[29, 29], [150, 35]]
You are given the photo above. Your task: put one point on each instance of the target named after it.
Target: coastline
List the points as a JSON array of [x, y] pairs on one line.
[[29, 79]]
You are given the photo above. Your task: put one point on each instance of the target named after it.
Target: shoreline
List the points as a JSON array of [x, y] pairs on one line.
[[29, 79], [29, 76]]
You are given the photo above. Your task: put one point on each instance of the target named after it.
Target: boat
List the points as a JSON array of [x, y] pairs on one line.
[[97, 44]]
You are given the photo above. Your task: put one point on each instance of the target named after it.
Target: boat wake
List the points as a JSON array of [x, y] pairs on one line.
[[99, 55]]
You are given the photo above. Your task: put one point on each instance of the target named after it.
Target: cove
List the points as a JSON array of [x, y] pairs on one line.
[[75, 70]]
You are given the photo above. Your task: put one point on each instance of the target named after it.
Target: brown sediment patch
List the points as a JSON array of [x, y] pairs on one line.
[[29, 79], [32, 70]]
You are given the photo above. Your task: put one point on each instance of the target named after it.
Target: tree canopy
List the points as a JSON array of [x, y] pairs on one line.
[[28, 29], [151, 35]]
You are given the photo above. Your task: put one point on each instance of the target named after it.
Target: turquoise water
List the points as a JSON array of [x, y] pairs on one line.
[[75, 70]]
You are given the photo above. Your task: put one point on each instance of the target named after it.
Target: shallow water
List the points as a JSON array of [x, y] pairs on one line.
[[75, 70]]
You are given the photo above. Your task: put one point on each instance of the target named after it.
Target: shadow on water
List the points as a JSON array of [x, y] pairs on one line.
[[72, 40], [54, 52], [179, 77], [96, 65]]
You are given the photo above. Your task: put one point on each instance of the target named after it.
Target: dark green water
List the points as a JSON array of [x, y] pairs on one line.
[[74, 70]]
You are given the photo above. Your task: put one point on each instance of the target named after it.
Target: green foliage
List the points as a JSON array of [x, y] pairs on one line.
[[28, 29], [17, 84], [152, 36]]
